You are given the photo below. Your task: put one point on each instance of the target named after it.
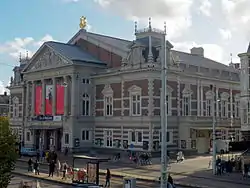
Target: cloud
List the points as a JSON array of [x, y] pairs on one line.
[[237, 15], [211, 51], [176, 13], [205, 7], [225, 34], [24, 46]]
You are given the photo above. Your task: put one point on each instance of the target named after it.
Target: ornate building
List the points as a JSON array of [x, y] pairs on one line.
[[104, 92]]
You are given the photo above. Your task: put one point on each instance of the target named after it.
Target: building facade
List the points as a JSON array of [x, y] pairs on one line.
[[104, 92]]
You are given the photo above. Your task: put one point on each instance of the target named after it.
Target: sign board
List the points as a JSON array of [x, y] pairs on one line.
[[46, 118]]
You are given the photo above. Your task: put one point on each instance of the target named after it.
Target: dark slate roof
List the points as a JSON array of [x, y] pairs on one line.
[[73, 52]]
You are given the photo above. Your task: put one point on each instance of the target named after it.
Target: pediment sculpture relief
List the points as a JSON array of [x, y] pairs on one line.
[[48, 59]]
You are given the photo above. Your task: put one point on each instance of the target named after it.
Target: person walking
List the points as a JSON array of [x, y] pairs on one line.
[[36, 167], [108, 177], [30, 162], [64, 169], [58, 168]]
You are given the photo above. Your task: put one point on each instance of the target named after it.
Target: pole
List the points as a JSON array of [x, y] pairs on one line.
[[214, 135], [163, 115]]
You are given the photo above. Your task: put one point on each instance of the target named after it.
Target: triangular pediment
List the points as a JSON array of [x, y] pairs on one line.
[[46, 58]]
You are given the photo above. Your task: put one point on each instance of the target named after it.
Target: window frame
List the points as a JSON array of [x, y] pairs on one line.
[[64, 138], [109, 137], [188, 97], [86, 100], [84, 132], [170, 135], [136, 136], [169, 104], [224, 108], [209, 104], [28, 136], [135, 102], [108, 101]]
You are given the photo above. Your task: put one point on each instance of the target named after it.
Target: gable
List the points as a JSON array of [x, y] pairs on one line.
[[46, 58]]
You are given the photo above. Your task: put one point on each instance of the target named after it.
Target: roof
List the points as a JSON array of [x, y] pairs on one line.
[[73, 52], [184, 57]]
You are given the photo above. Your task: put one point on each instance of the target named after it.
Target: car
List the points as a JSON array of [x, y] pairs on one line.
[[31, 152]]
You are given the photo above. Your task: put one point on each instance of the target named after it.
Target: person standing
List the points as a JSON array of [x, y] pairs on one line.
[[108, 177], [51, 168], [58, 168], [36, 167], [30, 165], [64, 169]]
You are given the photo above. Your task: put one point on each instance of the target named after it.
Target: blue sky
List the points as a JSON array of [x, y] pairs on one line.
[[220, 26]]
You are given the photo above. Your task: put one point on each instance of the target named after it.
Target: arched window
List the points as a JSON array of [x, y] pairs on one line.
[[85, 105]]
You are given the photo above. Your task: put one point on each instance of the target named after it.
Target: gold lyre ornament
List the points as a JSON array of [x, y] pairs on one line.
[[83, 22]]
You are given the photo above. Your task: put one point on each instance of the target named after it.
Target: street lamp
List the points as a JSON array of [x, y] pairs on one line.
[[214, 132], [163, 113]]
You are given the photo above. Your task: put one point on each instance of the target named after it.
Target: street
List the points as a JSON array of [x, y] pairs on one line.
[[191, 171]]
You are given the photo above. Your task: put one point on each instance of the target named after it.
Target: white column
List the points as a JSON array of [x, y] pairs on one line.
[[33, 93], [66, 112], [73, 95], [231, 103], [27, 99], [54, 97], [198, 99], [43, 96], [178, 96], [202, 108], [217, 101]]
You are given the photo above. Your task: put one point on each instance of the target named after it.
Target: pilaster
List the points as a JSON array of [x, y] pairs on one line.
[[66, 105], [198, 98], [43, 96], [73, 98], [33, 93], [150, 94], [231, 102], [122, 98], [217, 101], [54, 97], [27, 99], [178, 96], [202, 101]]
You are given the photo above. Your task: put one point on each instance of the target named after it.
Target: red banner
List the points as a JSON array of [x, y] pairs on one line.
[[48, 99], [38, 100], [59, 99]]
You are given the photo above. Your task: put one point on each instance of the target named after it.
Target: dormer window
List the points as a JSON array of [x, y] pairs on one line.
[[85, 81]]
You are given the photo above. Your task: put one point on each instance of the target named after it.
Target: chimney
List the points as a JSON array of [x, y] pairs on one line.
[[199, 51], [5, 93]]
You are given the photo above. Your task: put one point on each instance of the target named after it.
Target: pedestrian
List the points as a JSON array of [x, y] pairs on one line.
[[64, 169], [51, 168], [36, 167], [245, 174], [38, 155], [66, 151], [58, 168], [30, 162], [108, 176]]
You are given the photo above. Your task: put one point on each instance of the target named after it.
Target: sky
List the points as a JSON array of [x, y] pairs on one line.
[[221, 27]]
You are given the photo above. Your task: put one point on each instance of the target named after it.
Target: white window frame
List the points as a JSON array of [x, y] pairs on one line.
[[184, 103], [135, 103], [108, 136], [86, 105], [169, 104], [86, 132], [15, 107], [28, 136], [64, 138], [224, 108], [136, 136], [108, 102], [170, 132], [209, 107]]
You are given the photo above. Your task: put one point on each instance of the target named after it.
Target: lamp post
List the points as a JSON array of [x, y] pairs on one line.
[[163, 114]]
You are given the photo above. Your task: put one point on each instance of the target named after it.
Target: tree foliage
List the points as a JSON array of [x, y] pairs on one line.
[[8, 154]]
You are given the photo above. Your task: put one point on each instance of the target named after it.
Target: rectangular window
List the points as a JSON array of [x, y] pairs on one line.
[[28, 136], [108, 106], [237, 109], [108, 138], [136, 137], [85, 81], [209, 107], [136, 105], [223, 108], [66, 138], [85, 107], [186, 106], [168, 106], [85, 135]]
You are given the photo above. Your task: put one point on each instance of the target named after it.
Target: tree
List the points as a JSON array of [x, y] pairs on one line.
[[8, 154]]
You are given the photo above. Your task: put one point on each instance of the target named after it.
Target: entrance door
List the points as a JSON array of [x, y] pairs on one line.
[[59, 139], [37, 139]]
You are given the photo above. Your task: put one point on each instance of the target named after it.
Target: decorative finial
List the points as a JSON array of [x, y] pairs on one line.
[[20, 57], [83, 22], [231, 58], [135, 27], [27, 55], [165, 27], [149, 23]]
